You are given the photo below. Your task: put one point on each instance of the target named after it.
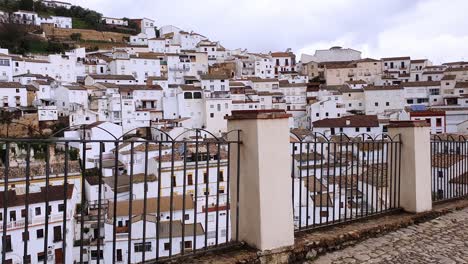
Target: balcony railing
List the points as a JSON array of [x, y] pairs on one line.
[[337, 179], [179, 193]]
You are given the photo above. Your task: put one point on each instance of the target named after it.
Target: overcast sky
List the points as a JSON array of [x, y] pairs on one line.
[[434, 29]]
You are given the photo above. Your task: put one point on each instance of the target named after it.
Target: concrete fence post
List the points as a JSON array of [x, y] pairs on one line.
[[415, 166], [265, 205]]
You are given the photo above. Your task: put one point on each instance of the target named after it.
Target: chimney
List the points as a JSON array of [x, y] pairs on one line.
[[348, 122]]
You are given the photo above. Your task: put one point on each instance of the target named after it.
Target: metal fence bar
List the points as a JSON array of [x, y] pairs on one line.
[[357, 177], [88, 168], [449, 168]]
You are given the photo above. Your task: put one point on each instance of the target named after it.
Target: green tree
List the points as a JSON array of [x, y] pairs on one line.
[[26, 5]]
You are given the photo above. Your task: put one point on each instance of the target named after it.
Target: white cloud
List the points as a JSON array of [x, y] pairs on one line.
[[435, 29]]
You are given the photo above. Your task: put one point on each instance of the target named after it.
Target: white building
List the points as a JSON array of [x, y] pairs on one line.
[[352, 126], [13, 94], [56, 4], [108, 78], [332, 54], [115, 21], [17, 216], [385, 101], [6, 69]]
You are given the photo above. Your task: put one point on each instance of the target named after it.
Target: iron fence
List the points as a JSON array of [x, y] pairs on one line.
[[339, 179], [127, 199], [449, 167]]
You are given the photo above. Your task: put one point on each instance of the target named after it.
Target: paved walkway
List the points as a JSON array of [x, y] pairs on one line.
[[442, 240]]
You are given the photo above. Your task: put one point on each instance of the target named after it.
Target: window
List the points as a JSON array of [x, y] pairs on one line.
[[187, 244], [211, 115], [439, 122], [40, 233], [323, 213], [167, 246], [368, 129], [186, 217], [12, 215], [317, 114], [41, 257], [376, 104], [187, 95], [357, 129], [205, 177], [440, 174], [119, 255], [95, 254], [8, 244], [173, 181], [221, 176], [57, 233], [387, 103], [38, 210], [23, 213], [190, 179], [197, 95], [140, 247]]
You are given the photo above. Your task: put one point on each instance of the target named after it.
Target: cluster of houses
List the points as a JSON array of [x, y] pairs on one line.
[[24, 17], [174, 81]]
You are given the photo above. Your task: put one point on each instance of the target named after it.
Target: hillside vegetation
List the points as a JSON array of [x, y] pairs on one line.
[[22, 39]]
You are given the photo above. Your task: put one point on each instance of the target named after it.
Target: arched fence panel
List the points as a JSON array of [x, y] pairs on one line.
[[88, 194], [336, 179]]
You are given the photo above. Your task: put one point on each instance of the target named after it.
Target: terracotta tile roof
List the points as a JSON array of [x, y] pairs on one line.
[[456, 69], [123, 181], [382, 87], [322, 200], [460, 179], [449, 77], [164, 227], [292, 85], [282, 54], [148, 55], [461, 85], [11, 85], [419, 61], [315, 185], [131, 87], [189, 87], [55, 193], [152, 205], [256, 79], [303, 158], [420, 84], [375, 175], [112, 77], [213, 77], [367, 60], [356, 82], [354, 121], [446, 160], [396, 58]]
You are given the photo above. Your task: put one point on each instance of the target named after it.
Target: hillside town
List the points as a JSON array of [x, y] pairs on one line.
[[176, 82]]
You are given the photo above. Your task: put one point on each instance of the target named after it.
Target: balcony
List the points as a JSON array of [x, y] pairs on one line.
[[36, 220]]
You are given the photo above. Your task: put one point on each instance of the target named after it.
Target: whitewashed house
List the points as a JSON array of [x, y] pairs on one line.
[[13, 94]]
